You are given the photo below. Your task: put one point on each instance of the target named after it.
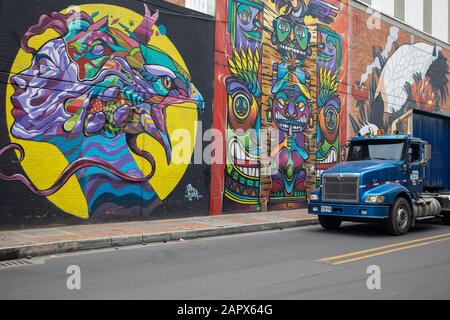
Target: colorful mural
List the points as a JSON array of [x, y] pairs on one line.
[[103, 91], [243, 88], [287, 58], [92, 96], [329, 102], [401, 76]]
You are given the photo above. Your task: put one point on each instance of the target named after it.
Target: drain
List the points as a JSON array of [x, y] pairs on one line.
[[14, 263]]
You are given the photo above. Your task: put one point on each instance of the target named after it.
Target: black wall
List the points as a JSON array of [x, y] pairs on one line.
[[193, 35]]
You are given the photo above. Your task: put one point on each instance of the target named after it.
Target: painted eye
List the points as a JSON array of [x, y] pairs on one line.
[[281, 103], [301, 32], [331, 119], [98, 50], [283, 27], [331, 46], [301, 105], [167, 82], [241, 106], [245, 17]]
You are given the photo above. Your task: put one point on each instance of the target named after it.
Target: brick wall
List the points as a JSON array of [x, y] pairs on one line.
[[91, 97]]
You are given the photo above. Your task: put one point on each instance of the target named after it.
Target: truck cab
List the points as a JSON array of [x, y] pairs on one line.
[[382, 180]]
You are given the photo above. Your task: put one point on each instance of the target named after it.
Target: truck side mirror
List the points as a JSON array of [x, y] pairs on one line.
[[426, 154]]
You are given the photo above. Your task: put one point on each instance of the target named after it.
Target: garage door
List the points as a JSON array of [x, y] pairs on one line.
[[435, 130]]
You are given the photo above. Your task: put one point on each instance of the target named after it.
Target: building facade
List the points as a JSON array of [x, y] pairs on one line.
[[99, 102]]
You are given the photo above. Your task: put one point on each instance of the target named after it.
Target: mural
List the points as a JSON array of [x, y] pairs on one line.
[[91, 96], [284, 63], [402, 77], [329, 105], [294, 108], [243, 89], [317, 80], [105, 91]]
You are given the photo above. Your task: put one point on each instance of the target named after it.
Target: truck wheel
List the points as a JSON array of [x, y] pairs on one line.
[[446, 218], [330, 223], [400, 217]]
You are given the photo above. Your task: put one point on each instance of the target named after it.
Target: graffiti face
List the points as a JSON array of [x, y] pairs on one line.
[[329, 52], [243, 110], [245, 23], [248, 24], [90, 93], [242, 177], [292, 39], [328, 103], [291, 111], [242, 106]]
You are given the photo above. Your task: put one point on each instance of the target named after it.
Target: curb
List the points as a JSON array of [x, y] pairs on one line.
[[21, 252]]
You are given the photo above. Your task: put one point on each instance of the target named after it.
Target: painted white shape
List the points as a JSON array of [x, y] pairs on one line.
[[414, 13], [204, 6], [408, 60], [440, 19], [385, 6]]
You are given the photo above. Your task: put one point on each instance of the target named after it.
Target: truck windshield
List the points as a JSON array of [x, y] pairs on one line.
[[376, 150]]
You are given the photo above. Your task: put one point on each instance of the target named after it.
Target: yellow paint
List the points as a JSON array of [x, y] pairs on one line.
[[399, 244], [389, 251], [44, 163], [167, 176]]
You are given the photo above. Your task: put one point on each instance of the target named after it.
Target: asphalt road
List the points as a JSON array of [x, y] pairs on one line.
[[286, 264]]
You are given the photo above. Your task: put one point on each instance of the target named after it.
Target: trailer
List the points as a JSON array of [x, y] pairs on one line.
[[396, 179]]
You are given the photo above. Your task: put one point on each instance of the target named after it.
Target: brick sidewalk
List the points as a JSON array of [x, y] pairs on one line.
[[36, 242]]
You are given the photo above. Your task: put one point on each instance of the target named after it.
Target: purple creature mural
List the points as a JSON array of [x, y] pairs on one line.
[[90, 92]]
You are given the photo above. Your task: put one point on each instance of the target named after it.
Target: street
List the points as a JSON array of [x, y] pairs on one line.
[[301, 263]]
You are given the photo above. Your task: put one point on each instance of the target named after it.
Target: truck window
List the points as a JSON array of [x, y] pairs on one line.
[[415, 152], [376, 150]]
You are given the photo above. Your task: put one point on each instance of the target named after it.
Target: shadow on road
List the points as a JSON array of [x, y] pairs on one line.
[[377, 230]]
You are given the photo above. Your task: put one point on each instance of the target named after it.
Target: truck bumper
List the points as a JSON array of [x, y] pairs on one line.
[[349, 210]]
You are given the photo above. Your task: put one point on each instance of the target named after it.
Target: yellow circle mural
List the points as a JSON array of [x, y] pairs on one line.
[[44, 162]]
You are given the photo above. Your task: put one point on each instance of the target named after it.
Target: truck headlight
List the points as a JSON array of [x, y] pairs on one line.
[[374, 199], [314, 197]]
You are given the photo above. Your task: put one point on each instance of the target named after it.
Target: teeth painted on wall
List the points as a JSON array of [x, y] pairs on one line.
[[289, 83]]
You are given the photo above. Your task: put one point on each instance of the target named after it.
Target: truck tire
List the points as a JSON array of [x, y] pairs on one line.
[[446, 218], [330, 223], [400, 218]]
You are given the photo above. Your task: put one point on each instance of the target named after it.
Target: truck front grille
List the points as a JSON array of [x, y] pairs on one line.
[[341, 188]]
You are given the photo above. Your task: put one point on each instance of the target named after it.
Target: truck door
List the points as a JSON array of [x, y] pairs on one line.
[[435, 130], [415, 179]]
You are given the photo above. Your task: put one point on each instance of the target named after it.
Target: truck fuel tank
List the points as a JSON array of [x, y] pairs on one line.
[[426, 207]]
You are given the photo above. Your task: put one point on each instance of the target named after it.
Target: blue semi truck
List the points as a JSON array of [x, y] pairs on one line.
[[395, 179]]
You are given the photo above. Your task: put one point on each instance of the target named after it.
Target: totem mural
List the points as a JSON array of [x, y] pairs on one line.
[[329, 103], [102, 93], [401, 75], [304, 104], [243, 88], [283, 79]]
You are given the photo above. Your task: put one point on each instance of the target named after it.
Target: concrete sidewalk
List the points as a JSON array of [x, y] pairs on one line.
[[37, 242]]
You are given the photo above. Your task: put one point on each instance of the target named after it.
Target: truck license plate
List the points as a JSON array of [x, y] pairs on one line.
[[327, 209]]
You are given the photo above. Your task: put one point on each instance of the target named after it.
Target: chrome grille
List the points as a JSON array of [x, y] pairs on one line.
[[341, 188]]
